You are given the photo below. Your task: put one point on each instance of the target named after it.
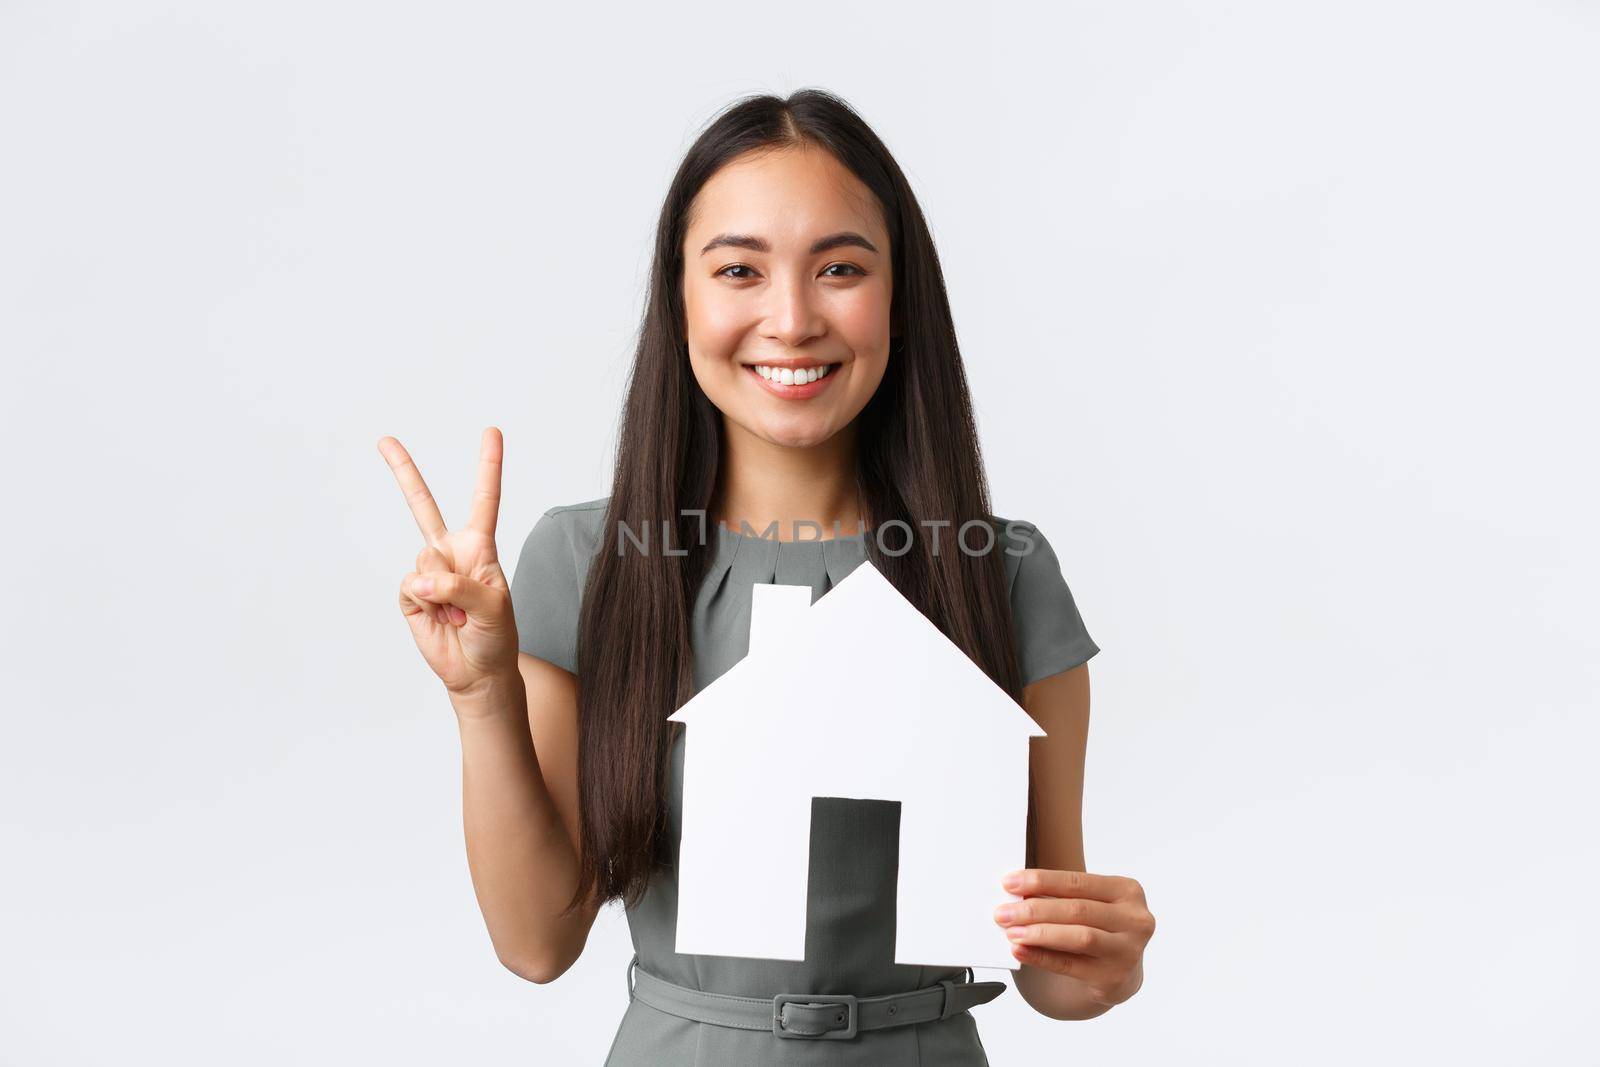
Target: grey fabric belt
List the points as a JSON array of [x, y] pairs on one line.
[[811, 1015]]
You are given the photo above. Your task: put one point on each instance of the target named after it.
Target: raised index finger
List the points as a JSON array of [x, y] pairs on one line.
[[486, 494], [423, 507]]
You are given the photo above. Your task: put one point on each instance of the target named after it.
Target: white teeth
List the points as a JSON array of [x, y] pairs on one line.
[[790, 376]]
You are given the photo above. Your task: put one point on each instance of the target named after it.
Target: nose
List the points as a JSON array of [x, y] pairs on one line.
[[792, 314]]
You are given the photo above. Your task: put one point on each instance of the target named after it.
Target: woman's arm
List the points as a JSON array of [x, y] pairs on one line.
[[518, 717], [1060, 705], [520, 809]]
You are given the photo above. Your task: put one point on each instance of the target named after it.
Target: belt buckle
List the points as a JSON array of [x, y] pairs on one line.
[[848, 1000]]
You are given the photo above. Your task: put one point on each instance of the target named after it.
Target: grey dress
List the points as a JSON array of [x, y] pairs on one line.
[[850, 919]]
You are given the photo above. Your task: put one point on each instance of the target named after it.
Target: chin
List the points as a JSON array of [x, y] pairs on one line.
[[793, 436], [798, 441]]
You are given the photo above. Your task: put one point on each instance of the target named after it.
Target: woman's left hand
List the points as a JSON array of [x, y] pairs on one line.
[[1092, 927]]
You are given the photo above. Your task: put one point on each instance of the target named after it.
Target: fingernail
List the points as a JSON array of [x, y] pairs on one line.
[[1005, 913], [424, 586], [1012, 880], [1017, 933]]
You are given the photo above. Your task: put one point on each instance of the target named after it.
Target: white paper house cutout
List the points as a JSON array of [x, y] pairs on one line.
[[858, 695]]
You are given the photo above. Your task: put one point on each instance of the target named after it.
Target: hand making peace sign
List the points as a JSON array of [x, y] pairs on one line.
[[457, 601]]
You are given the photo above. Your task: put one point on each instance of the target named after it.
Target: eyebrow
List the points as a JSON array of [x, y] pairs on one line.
[[757, 244]]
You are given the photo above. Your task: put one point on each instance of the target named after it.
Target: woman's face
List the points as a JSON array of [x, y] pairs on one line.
[[786, 276]]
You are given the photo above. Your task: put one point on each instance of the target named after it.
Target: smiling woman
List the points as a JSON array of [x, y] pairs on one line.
[[809, 300], [797, 365]]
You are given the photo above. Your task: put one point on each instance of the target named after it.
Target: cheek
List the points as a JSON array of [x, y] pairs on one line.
[[861, 315], [715, 323]]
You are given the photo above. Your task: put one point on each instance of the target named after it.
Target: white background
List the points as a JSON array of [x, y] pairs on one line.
[[1281, 323]]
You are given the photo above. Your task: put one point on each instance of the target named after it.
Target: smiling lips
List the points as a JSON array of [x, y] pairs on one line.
[[793, 383]]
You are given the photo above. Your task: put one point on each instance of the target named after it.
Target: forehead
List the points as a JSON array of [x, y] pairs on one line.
[[788, 195]]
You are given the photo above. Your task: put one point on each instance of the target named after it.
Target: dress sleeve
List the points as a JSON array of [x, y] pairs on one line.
[[1051, 637], [545, 593]]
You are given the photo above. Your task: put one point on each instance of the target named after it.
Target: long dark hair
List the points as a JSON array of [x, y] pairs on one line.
[[917, 458]]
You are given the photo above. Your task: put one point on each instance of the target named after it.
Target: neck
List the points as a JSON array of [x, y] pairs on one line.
[[761, 483]]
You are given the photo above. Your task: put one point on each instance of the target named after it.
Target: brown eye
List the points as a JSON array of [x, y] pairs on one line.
[[736, 266], [846, 266]]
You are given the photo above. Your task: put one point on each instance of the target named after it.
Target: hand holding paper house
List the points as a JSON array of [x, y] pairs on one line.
[[858, 695]]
